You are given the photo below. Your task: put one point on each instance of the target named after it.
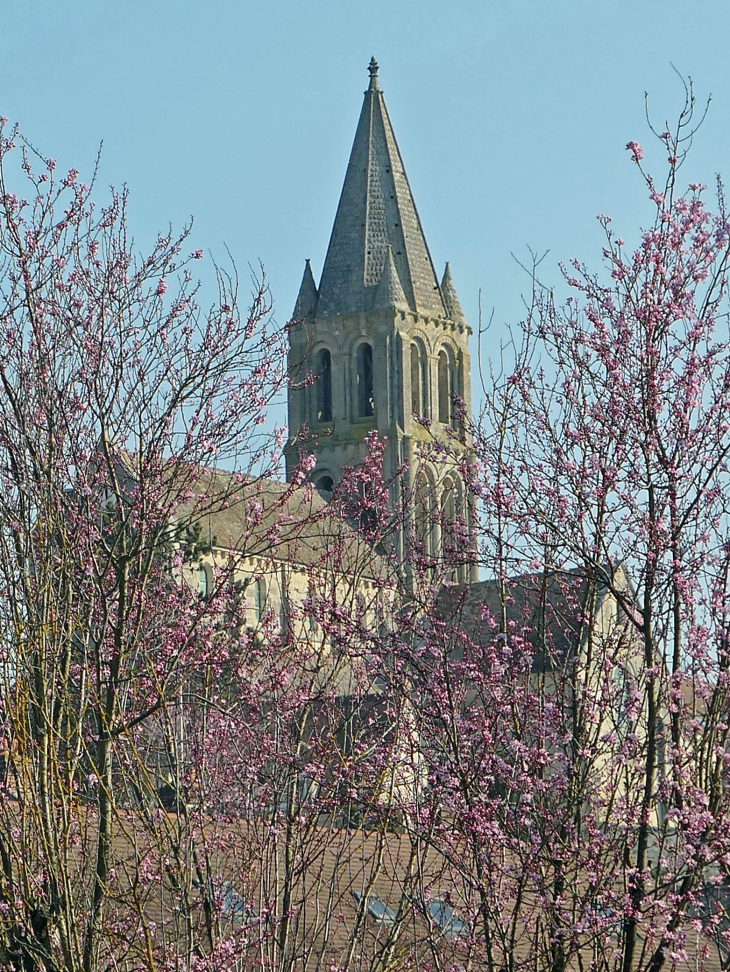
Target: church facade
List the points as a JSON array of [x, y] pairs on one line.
[[382, 344]]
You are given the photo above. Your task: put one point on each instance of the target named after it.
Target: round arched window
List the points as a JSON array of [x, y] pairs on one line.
[[257, 600], [203, 581], [324, 486]]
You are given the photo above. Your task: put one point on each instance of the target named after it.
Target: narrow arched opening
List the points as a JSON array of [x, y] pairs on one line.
[[452, 529], [424, 515], [457, 391], [364, 381], [419, 386], [324, 385], [257, 600], [416, 397], [203, 581], [448, 517], [444, 376]]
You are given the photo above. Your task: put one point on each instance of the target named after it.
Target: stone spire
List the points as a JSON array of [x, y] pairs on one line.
[[307, 299], [389, 292], [448, 295], [376, 210]]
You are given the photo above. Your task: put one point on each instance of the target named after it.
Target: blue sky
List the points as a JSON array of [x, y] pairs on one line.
[[511, 116]]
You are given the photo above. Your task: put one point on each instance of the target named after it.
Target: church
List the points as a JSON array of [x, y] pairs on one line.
[[381, 345]]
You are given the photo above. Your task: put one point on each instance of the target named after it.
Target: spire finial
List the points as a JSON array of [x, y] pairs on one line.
[[373, 71]]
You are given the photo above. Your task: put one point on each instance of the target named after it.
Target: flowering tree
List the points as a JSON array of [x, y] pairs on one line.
[[116, 389], [526, 772], [576, 711], [182, 784]]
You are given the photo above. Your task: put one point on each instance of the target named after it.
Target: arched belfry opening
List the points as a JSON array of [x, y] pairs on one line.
[[419, 380], [380, 344], [444, 373], [323, 385], [454, 539], [365, 403], [424, 515]]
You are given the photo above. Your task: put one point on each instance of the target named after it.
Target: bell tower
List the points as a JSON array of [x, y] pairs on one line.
[[387, 345]]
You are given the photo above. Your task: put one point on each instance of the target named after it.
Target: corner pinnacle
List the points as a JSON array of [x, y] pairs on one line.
[[448, 295], [306, 304]]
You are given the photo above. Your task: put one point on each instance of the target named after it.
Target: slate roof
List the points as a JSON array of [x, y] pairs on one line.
[[376, 211], [266, 518], [543, 609]]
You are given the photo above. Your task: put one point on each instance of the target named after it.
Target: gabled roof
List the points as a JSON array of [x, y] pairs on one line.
[[376, 211]]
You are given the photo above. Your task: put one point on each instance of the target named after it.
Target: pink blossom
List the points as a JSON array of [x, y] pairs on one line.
[[636, 150]]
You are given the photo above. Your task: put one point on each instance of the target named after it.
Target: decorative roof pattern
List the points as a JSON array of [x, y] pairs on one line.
[[376, 211]]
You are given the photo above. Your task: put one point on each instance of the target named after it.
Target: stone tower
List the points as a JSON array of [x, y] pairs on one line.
[[389, 346]]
